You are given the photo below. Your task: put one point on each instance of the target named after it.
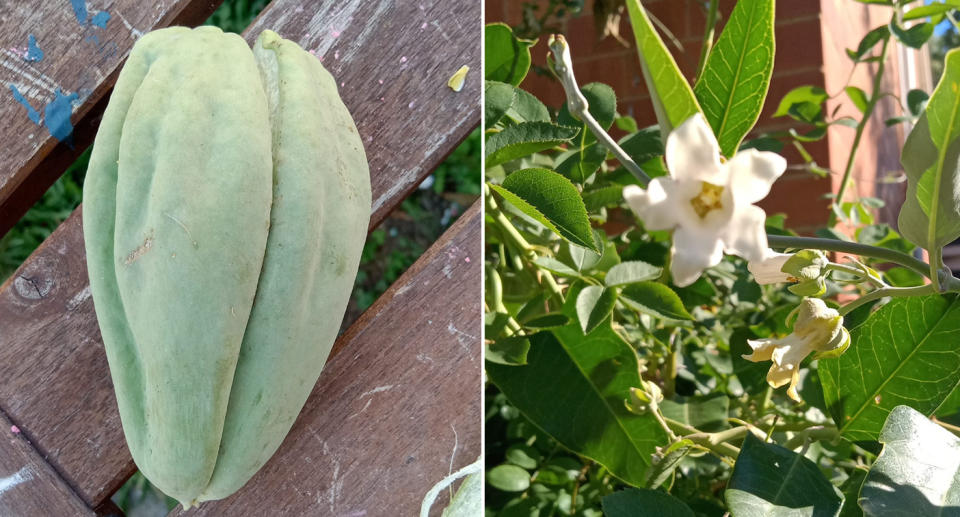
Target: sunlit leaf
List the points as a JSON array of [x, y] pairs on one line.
[[506, 58], [736, 77], [673, 99], [918, 471], [552, 200], [904, 354]]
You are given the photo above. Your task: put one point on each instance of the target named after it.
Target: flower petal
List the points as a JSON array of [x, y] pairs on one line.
[[752, 173], [769, 270], [762, 349], [654, 205], [745, 235], [692, 252], [692, 153]]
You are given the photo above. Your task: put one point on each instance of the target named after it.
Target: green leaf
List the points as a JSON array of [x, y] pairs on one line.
[[868, 42], [736, 76], [552, 200], [926, 11], [705, 413], [508, 350], [498, 97], [851, 492], [666, 463], [918, 471], [602, 102], [594, 304], [917, 101], [931, 158], [527, 108], [556, 267], [643, 145], [655, 299], [771, 481], [574, 387], [506, 58], [915, 36], [631, 272], [525, 139], [642, 502], [549, 320], [858, 97], [905, 353], [579, 258], [580, 163], [803, 103], [673, 99], [603, 197], [523, 456], [509, 478]]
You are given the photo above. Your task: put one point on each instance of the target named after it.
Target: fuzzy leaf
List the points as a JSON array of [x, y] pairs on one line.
[[918, 471]]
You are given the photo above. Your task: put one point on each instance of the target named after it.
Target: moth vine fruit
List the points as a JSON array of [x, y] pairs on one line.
[[225, 209]]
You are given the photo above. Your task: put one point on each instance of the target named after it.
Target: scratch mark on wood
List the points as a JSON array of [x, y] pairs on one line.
[[377, 390], [78, 298], [22, 476], [365, 406], [134, 32]]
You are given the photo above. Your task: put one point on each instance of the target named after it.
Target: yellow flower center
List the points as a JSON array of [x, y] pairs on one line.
[[708, 199]]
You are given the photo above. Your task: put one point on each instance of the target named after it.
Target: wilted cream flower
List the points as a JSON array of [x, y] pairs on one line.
[[769, 270], [708, 203], [818, 328]]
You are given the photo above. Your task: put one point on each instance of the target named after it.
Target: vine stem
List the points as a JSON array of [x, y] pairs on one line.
[[871, 104], [579, 107], [715, 442], [854, 248], [850, 270], [513, 235], [708, 32], [887, 291]]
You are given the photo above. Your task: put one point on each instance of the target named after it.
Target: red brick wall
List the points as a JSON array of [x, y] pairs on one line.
[[810, 37]]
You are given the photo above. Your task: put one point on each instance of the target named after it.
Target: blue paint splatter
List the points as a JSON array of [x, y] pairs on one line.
[[57, 116], [100, 19], [34, 54], [80, 10], [93, 38], [32, 113]]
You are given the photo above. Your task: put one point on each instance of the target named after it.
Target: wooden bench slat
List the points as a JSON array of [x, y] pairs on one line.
[[78, 58], [393, 60], [396, 410], [28, 485]]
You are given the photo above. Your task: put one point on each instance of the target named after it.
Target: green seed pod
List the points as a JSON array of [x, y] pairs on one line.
[[225, 209]]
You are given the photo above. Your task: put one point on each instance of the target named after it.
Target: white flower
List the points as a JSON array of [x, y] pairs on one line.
[[818, 329], [707, 203], [769, 270]]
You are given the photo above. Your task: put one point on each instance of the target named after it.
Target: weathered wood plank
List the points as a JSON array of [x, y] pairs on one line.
[[56, 384], [393, 60], [396, 410], [83, 46], [28, 485]]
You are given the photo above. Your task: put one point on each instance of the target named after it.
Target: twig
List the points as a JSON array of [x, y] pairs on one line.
[[579, 107]]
